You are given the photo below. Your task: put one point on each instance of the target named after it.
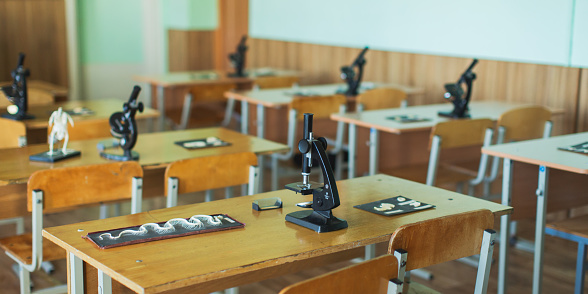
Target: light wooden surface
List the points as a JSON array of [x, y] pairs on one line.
[[379, 118], [544, 152], [267, 246], [211, 172], [381, 98], [370, 276], [275, 98], [190, 49], [548, 85], [271, 82], [14, 133], [582, 120], [192, 78], [575, 226], [37, 28], [156, 151]]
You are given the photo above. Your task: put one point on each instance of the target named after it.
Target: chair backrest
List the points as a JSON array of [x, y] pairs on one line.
[[213, 92], [380, 98], [320, 106], [208, 173], [371, 276], [14, 133], [442, 239], [461, 132], [73, 187], [524, 123], [270, 82]]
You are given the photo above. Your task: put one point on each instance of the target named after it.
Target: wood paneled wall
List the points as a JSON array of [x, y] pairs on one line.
[[37, 28], [233, 23], [191, 50], [582, 125], [552, 86]]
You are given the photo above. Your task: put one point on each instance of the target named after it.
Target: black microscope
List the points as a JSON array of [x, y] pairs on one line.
[[352, 79], [454, 92], [324, 197], [238, 58], [124, 127], [17, 92]]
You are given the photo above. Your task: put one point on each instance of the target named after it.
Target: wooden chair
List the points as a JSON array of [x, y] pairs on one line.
[[263, 82], [208, 173], [321, 107], [412, 247], [524, 123], [381, 98], [371, 276], [202, 93], [14, 133], [447, 135], [574, 229], [62, 189]]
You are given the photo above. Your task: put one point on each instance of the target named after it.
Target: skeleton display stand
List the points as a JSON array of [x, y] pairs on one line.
[[238, 59], [352, 79], [124, 127], [455, 94], [324, 197], [58, 123], [17, 92]]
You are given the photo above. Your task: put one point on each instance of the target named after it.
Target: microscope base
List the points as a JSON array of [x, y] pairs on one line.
[[451, 114], [316, 221], [121, 157], [17, 116]]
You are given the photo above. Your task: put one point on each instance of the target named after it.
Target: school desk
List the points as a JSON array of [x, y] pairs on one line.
[[266, 247], [543, 153]]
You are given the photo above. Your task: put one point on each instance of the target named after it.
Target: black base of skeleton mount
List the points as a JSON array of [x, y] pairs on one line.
[[319, 221], [57, 155], [453, 114], [17, 116], [126, 156]]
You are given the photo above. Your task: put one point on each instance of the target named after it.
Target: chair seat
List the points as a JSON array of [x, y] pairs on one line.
[[572, 229], [416, 288], [21, 246], [418, 173]]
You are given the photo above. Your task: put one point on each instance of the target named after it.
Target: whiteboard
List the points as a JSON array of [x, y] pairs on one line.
[[532, 31]]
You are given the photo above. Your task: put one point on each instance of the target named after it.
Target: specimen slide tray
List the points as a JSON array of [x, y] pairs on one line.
[[408, 118], [400, 205], [202, 143], [578, 148], [228, 223]]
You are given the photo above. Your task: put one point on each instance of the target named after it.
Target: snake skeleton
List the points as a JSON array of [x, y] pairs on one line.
[[195, 222]]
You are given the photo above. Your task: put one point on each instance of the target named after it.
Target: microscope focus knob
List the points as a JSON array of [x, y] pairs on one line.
[[303, 146], [323, 142]]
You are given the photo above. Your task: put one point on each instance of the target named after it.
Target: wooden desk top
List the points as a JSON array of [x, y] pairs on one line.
[[544, 152], [103, 109], [268, 246], [378, 119], [173, 79], [156, 150], [56, 90], [282, 96]]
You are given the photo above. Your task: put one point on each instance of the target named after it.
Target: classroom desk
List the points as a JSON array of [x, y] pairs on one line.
[[377, 120], [59, 92], [544, 154], [102, 108], [156, 151], [266, 247], [182, 81]]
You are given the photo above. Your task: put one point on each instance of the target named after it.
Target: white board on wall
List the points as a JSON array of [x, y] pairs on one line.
[[533, 31], [579, 55]]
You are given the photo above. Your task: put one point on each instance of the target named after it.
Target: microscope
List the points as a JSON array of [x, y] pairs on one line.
[[238, 58], [124, 127], [348, 74], [454, 92], [17, 92], [324, 197]]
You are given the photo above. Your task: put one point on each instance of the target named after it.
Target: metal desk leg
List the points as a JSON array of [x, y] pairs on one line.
[[374, 143], [244, 117], [504, 226], [260, 134], [161, 108], [540, 228], [352, 150], [76, 271], [228, 112], [104, 283]]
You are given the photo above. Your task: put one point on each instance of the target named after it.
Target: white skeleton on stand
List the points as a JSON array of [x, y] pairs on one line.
[[59, 119]]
